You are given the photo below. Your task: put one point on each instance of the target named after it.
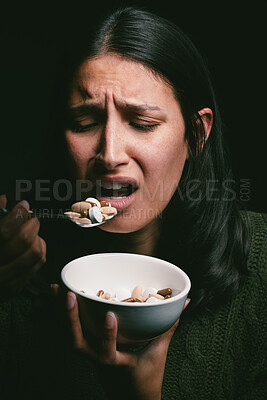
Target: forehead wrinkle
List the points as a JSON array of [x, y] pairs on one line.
[[119, 102], [83, 92]]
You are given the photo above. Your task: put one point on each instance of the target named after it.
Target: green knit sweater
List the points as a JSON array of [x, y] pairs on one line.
[[211, 356]]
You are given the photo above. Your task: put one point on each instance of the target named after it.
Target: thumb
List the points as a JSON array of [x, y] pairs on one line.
[[168, 335], [3, 200]]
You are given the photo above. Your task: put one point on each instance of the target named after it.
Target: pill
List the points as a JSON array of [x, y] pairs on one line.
[[72, 214], [95, 215], [80, 206], [84, 213], [168, 296], [149, 290], [106, 296], [164, 292], [105, 204], [139, 299], [92, 200], [128, 300], [82, 221], [137, 291], [109, 210], [157, 296], [123, 293], [152, 300]]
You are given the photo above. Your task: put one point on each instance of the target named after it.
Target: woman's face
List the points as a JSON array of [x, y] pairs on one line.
[[126, 134]]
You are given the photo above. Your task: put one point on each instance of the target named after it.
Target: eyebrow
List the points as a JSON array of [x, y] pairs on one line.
[[82, 108], [135, 107], [142, 107]]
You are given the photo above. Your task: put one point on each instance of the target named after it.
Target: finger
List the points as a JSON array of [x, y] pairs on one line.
[[3, 201], [109, 354], [55, 289], [35, 256], [187, 301], [22, 241], [108, 344], [75, 325], [14, 220]]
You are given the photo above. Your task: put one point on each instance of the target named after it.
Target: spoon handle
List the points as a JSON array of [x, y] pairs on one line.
[[40, 215]]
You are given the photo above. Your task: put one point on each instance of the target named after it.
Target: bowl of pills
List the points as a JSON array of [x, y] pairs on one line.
[[146, 294]]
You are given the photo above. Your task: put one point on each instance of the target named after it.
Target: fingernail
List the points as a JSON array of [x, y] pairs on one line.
[[25, 204], [54, 288], [71, 298], [110, 320], [187, 301]]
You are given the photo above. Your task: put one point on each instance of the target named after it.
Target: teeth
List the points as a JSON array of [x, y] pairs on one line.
[[114, 185]]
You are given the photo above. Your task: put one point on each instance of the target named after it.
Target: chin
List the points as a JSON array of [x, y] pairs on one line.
[[123, 225]]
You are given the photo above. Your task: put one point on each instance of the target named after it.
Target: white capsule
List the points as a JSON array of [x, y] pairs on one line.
[[123, 293], [95, 215], [114, 299], [93, 200], [152, 300], [148, 291]]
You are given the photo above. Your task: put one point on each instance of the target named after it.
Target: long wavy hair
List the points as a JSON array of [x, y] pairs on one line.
[[202, 229]]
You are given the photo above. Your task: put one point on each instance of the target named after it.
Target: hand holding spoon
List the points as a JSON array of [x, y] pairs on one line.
[[86, 214]]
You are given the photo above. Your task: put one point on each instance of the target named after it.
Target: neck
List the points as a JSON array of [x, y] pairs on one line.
[[143, 241]]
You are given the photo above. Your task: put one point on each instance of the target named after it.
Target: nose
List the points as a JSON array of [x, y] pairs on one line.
[[112, 152]]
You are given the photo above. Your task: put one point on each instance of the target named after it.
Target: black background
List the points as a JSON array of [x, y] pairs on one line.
[[230, 35]]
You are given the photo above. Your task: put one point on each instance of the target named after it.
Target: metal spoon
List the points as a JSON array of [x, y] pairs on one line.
[[4, 211]]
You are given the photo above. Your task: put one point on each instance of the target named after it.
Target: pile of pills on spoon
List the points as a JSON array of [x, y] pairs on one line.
[[137, 295], [91, 211]]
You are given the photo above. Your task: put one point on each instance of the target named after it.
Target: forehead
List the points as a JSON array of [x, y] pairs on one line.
[[125, 78]]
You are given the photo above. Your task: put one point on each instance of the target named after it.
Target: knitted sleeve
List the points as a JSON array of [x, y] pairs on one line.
[[252, 328], [223, 355]]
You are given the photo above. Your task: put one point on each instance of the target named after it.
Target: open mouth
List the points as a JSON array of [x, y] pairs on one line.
[[114, 190]]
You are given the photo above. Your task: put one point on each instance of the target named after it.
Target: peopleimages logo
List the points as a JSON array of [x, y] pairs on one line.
[[63, 190], [59, 190]]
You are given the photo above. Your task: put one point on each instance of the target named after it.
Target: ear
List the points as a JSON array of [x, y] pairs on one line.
[[206, 115]]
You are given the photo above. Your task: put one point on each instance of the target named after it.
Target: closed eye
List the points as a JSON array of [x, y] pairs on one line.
[[143, 127], [83, 128], [78, 128]]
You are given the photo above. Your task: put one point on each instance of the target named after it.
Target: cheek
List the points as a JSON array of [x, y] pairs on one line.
[[165, 163], [78, 152]]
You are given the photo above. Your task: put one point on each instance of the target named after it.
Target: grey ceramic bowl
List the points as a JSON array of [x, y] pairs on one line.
[[112, 271]]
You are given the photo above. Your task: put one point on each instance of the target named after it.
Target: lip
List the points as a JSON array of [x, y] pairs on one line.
[[124, 202]]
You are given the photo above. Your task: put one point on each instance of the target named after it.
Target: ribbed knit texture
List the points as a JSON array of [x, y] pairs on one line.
[[211, 357], [223, 356]]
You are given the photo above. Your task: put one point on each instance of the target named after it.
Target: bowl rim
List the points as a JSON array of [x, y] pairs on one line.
[[175, 298]]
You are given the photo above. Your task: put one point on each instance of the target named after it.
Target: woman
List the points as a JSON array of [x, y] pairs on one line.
[[142, 130]]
